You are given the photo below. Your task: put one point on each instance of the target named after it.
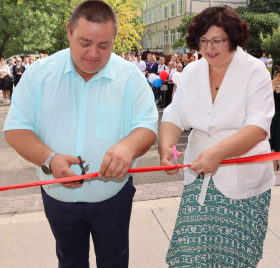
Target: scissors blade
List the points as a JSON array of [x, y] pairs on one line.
[[86, 168]]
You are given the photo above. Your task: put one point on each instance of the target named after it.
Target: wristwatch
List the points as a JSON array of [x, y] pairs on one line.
[[46, 166]]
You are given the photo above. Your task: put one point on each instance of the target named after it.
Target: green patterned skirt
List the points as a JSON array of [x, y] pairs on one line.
[[224, 233]]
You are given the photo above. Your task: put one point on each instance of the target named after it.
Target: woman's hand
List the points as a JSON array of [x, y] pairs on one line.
[[166, 155], [208, 161]]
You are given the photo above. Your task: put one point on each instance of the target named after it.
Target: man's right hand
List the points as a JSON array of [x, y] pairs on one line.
[[60, 166]]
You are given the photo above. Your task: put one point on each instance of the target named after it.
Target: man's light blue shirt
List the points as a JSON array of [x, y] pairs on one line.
[[75, 117]]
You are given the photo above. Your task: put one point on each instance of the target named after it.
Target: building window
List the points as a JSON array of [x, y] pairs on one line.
[[166, 41], [181, 7], [172, 8], [172, 36], [159, 35], [149, 43], [159, 13], [149, 17], [179, 35], [144, 17], [165, 10], [154, 15], [154, 40]]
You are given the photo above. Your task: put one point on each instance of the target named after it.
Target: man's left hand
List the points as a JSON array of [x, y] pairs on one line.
[[116, 161]]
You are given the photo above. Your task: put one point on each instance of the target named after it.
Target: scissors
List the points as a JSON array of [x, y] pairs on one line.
[[84, 169]]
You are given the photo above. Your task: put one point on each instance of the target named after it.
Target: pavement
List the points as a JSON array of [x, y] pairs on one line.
[[27, 242]]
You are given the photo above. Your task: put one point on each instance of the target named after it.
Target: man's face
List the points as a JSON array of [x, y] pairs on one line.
[[149, 57], [122, 54], [26, 60], [138, 58], [263, 55], [41, 56], [154, 58], [91, 45]]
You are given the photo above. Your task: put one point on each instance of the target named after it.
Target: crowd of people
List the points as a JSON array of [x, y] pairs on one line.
[[11, 73], [154, 65]]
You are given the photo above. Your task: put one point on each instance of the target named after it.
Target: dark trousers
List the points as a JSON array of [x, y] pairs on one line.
[[106, 221], [168, 95]]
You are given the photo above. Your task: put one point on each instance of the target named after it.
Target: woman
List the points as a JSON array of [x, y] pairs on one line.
[[185, 60], [269, 64], [18, 70], [226, 99], [275, 125], [5, 81], [179, 69], [170, 84]]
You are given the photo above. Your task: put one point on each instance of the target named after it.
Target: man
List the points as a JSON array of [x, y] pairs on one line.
[[85, 101], [41, 56], [152, 69], [149, 58], [127, 57], [11, 65], [133, 58], [140, 64], [25, 62], [121, 54]]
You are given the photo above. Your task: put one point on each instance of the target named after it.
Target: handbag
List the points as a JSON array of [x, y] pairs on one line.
[[164, 87]]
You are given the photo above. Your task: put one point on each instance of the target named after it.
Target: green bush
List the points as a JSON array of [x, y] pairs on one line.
[[271, 43]]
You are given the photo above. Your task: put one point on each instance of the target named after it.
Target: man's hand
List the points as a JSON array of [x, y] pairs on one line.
[[116, 161], [60, 166]]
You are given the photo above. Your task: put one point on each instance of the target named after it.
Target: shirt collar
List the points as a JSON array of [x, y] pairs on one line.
[[106, 72]]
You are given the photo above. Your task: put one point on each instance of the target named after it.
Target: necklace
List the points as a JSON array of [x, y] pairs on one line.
[[217, 87]]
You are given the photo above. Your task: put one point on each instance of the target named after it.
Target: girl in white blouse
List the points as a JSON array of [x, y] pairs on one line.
[[5, 81]]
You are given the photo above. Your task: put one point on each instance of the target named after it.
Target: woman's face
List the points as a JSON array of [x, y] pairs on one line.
[[179, 68], [2, 62], [216, 56], [170, 66]]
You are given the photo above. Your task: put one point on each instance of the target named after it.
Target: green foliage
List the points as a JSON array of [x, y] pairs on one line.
[[40, 25], [264, 6], [259, 23], [270, 44], [183, 30]]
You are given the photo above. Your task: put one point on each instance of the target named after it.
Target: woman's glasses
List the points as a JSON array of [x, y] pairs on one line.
[[215, 42]]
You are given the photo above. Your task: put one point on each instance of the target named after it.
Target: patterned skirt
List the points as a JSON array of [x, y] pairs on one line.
[[224, 233]]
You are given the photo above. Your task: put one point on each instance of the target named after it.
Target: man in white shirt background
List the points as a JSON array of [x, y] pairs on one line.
[[133, 58], [25, 62], [140, 64]]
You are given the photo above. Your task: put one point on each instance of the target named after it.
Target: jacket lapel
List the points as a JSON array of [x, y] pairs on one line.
[[232, 71], [205, 83]]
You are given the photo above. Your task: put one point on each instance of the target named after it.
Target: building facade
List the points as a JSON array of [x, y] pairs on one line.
[[164, 16]]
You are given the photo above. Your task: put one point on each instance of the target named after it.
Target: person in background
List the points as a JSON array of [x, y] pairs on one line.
[[275, 124], [185, 60], [157, 59], [25, 62], [161, 67], [133, 58], [127, 57], [149, 58], [192, 59], [173, 57], [12, 77], [269, 64], [31, 61], [170, 84], [179, 69], [263, 58], [41, 56], [226, 98], [140, 64], [18, 70], [195, 54], [5, 81], [46, 55], [122, 55]]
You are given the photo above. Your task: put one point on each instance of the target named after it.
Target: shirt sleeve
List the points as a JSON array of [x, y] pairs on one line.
[[260, 103], [22, 113], [144, 111]]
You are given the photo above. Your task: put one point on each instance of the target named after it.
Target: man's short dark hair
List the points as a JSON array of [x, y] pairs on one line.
[[221, 16], [95, 11]]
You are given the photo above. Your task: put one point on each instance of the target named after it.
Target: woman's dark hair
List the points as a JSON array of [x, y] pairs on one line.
[[221, 16], [95, 11]]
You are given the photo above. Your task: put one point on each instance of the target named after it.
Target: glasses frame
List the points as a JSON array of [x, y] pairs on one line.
[[198, 39]]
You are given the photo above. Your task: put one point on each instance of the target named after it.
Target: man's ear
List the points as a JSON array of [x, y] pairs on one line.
[[68, 31]]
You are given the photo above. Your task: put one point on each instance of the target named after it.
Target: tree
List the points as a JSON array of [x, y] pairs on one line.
[[40, 25], [182, 29], [270, 43], [264, 6]]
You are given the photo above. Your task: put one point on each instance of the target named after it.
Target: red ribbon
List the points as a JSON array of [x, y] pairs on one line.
[[250, 159]]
